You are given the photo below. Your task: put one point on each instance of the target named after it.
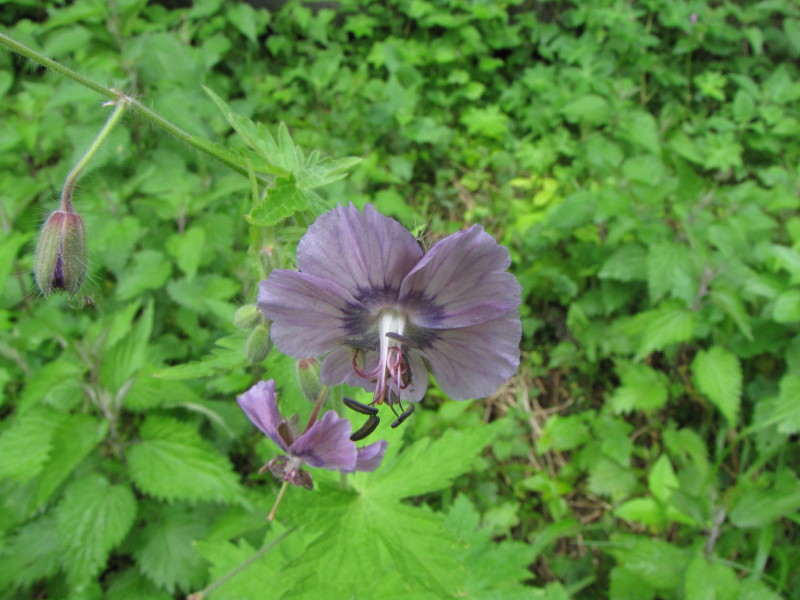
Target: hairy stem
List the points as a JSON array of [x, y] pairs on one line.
[[240, 567], [199, 143], [72, 177]]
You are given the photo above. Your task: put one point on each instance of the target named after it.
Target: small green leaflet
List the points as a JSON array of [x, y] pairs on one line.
[[718, 375]]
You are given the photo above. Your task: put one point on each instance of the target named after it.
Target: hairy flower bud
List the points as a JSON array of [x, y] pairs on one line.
[[247, 316], [258, 344], [308, 376], [61, 253]]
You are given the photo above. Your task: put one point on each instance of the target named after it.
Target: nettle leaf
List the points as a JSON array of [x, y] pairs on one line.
[[93, 518], [759, 508], [656, 563], [26, 444], [132, 585], [706, 579], [407, 548], [148, 392], [31, 554], [165, 551], [669, 272], [787, 408], [127, 356], [718, 374], [628, 263], [661, 327], [172, 462], [642, 388], [72, 440]]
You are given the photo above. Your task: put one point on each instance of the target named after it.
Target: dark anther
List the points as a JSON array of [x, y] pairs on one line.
[[360, 408], [402, 339], [406, 413], [285, 431], [366, 429]]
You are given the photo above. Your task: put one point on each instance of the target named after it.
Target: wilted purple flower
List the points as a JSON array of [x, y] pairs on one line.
[[326, 444], [384, 311]]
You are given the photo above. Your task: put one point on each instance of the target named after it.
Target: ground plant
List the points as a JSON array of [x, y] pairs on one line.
[[526, 272]]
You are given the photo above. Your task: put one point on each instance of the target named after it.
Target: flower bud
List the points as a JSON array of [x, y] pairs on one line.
[[267, 257], [247, 316], [61, 253], [258, 344], [308, 376]]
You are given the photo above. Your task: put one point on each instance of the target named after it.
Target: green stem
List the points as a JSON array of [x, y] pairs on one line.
[[69, 182], [241, 567], [199, 143]]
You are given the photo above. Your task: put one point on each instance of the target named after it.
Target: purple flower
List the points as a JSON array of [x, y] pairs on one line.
[[384, 311], [325, 444]]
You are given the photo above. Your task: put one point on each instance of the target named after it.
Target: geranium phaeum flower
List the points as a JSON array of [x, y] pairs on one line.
[[325, 444], [384, 311]]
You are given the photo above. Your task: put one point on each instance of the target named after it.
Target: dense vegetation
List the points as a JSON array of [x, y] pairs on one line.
[[639, 160]]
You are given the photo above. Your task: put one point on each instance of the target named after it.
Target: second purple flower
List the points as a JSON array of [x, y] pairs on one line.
[[383, 311]]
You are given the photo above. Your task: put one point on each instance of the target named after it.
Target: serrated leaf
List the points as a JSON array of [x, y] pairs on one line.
[[44, 382], [281, 201], [131, 585], [642, 388], [126, 357], [759, 508], [72, 440], [264, 573], [641, 510], [627, 263], [219, 360], [787, 307], [787, 408], [26, 444], [669, 272], [93, 518], [173, 463], [657, 563], [31, 554], [413, 473], [662, 327], [718, 374], [148, 392], [662, 480], [710, 581], [491, 566], [406, 546], [165, 552], [149, 270]]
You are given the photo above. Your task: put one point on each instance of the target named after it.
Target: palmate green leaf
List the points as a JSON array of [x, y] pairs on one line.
[[165, 552], [261, 579], [718, 374], [93, 518], [409, 551], [495, 570], [172, 462]]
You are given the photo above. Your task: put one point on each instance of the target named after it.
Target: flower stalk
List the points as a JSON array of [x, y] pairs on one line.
[[198, 143]]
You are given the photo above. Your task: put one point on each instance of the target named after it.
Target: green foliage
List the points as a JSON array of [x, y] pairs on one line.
[[639, 160]]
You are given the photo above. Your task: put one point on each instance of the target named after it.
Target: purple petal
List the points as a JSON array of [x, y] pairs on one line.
[[472, 362], [464, 276], [370, 457], [306, 312], [327, 444], [360, 251], [260, 406]]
